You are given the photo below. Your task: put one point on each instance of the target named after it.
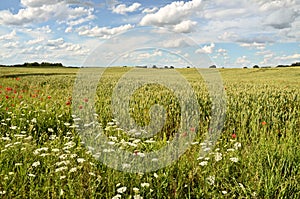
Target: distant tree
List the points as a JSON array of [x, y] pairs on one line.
[[154, 66], [213, 66], [255, 66], [188, 67], [296, 64], [166, 67], [172, 67], [245, 67]]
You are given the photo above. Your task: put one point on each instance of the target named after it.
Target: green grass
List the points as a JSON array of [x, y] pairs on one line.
[[42, 156]]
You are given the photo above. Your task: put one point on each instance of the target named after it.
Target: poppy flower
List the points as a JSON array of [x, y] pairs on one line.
[[80, 107], [264, 123], [233, 135], [49, 97], [68, 103], [7, 97], [193, 129], [86, 100]]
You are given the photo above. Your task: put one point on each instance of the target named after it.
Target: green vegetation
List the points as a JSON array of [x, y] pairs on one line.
[[257, 155]]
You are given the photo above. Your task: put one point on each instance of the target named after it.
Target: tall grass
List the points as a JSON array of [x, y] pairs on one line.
[[257, 155]]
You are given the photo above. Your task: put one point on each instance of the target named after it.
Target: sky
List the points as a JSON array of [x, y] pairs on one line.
[[234, 33]]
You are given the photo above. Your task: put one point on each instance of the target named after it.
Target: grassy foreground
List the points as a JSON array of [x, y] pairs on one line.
[[257, 155]]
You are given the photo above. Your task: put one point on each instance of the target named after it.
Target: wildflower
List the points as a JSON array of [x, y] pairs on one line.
[[126, 166], [72, 170], [230, 150], [80, 160], [11, 173], [63, 156], [18, 164], [92, 174], [13, 127], [211, 180], [264, 123], [233, 135], [116, 196], [2, 192], [61, 192], [31, 175], [35, 164], [68, 103], [206, 149], [62, 162], [237, 145], [44, 154], [60, 169], [121, 189], [218, 157], [73, 155], [135, 190], [145, 184], [62, 177], [137, 197], [155, 175], [51, 130], [203, 163], [49, 97], [86, 99], [234, 159], [224, 192]]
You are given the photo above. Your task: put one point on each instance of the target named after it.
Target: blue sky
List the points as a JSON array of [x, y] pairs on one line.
[[230, 33]]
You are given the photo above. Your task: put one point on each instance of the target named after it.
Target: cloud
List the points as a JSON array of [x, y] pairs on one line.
[[282, 18], [35, 41], [103, 32], [38, 11], [242, 61], [185, 26], [11, 44], [206, 49], [150, 10], [122, 9], [172, 14], [290, 57], [9, 36], [175, 43], [259, 46]]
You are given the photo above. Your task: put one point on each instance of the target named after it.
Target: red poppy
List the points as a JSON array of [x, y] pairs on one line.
[[184, 134], [49, 97], [20, 97], [7, 97], [68, 103], [86, 100], [193, 129], [80, 107], [264, 123], [17, 78], [9, 89], [233, 135]]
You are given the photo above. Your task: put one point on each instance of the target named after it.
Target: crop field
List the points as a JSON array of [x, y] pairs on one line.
[[43, 156]]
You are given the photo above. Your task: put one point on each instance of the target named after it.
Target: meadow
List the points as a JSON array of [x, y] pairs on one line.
[[256, 156]]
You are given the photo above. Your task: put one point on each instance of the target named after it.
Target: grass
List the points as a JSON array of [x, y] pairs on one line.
[[256, 156]]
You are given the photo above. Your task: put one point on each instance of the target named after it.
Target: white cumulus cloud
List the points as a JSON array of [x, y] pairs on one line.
[[122, 9], [103, 32], [208, 49], [175, 15]]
